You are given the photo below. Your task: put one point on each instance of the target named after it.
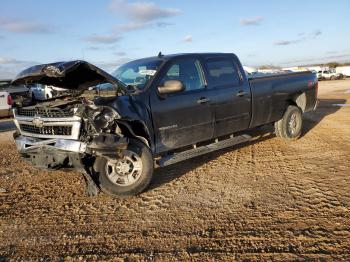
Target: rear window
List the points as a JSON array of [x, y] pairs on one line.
[[222, 72]]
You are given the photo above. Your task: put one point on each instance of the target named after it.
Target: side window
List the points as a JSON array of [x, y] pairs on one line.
[[188, 71], [222, 72]]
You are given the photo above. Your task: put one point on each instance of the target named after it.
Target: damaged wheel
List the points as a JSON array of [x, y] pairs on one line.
[[128, 175]]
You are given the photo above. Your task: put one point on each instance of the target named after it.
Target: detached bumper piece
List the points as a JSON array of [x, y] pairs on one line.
[[49, 153], [56, 153]]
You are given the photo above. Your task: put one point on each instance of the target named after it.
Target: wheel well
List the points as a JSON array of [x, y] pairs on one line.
[[135, 129], [299, 101]]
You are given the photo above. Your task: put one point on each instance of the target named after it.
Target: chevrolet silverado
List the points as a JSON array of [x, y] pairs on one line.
[[153, 112]]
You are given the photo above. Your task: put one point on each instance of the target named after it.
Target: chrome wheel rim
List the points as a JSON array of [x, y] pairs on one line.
[[126, 170], [293, 124]]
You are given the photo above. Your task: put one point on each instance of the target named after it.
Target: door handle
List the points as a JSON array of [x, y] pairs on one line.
[[203, 100], [241, 93]]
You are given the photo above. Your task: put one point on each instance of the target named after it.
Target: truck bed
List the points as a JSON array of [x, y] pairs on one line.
[[272, 93]]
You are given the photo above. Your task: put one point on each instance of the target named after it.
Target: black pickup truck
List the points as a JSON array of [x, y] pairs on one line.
[[153, 112]]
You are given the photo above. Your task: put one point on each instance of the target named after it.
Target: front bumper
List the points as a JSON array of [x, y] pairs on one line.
[[57, 153], [27, 145], [50, 153]]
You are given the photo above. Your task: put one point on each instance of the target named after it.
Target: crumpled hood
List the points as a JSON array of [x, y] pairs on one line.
[[77, 75]]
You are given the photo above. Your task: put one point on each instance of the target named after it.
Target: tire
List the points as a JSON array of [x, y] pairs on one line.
[[290, 126], [128, 176]]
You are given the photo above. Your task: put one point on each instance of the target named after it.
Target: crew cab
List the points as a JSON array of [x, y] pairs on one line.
[[153, 112]]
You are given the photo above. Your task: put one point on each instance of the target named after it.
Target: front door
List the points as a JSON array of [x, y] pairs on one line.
[[184, 118]]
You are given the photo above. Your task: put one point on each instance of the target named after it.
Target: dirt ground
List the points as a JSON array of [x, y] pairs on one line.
[[265, 200]]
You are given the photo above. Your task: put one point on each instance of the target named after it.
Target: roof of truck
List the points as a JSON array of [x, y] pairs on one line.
[[163, 57]]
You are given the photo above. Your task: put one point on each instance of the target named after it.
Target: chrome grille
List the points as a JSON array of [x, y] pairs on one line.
[[47, 130], [44, 112]]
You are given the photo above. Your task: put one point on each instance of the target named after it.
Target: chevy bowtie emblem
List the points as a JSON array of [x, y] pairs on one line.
[[37, 122]]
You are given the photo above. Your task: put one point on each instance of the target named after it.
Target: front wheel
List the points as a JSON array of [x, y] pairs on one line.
[[128, 175], [289, 127]]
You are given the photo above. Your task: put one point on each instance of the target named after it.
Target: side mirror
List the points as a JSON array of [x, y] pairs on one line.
[[171, 87]]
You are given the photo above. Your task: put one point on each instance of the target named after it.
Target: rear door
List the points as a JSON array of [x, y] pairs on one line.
[[183, 118], [232, 101]]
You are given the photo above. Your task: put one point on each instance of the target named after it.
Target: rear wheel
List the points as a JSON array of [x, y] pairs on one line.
[[289, 127], [128, 175]]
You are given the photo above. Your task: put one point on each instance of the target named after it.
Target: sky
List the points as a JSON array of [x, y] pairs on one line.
[[109, 33]]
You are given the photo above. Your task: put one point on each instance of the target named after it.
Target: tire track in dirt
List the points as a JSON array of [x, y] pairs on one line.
[[264, 200]]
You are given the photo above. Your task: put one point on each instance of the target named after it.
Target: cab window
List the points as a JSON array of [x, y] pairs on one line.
[[188, 71], [222, 72]]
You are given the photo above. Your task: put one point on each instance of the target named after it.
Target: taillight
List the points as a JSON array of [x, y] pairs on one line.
[[9, 100], [316, 89]]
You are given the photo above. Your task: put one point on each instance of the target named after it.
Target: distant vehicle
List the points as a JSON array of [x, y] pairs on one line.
[[329, 74], [5, 104], [41, 92], [344, 70], [20, 94]]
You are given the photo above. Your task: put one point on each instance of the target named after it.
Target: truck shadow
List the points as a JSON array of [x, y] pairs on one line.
[[311, 119], [167, 174], [325, 107]]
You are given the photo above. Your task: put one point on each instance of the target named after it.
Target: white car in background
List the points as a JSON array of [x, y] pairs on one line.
[[329, 74], [6, 103], [44, 92]]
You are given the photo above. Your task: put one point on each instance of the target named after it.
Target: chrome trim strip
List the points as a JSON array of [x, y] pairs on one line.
[[25, 144]]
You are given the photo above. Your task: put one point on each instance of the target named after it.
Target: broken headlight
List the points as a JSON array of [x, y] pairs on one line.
[[103, 119]]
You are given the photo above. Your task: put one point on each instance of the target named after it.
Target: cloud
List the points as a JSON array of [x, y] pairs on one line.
[[302, 37], [23, 26], [132, 26], [251, 21], [103, 39], [251, 55], [112, 65], [9, 61], [316, 34], [10, 67], [188, 38], [120, 53], [142, 11], [163, 24], [286, 42], [93, 48]]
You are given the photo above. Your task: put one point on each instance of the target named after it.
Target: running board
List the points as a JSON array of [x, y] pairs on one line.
[[178, 157]]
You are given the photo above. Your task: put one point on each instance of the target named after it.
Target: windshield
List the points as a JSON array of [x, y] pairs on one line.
[[137, 73]]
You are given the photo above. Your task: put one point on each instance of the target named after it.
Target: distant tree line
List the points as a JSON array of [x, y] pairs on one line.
[[336, 64], [330, 65], [269, 67]]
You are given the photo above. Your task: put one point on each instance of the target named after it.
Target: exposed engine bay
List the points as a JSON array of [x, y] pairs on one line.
[[71, 120]]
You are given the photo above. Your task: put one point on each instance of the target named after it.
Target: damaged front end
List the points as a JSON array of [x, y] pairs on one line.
[[50, 133], [70, 132]]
